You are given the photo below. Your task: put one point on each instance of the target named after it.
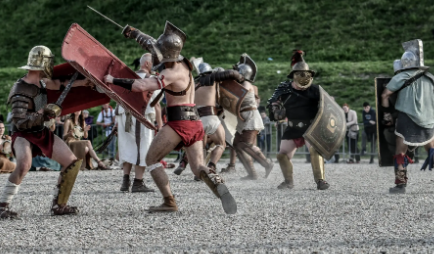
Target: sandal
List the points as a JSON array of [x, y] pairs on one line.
[[102, 166]]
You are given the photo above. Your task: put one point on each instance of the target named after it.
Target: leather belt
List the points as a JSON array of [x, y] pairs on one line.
[[178, 113], [299, 123], [207, 111]]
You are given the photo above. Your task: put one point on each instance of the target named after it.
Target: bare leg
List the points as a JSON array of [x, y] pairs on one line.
[[195, 158], [126, 167], [62, 154], [23, 154], [139, 172], [164, 142], [218, 138]]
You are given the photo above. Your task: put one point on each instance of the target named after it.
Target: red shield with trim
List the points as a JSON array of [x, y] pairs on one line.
[[94, 61]]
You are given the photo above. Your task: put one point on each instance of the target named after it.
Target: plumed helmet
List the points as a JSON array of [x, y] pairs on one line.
[[298, 63], [300, 72], [40, 59], [168, 46], [247, 67], [204, 67]]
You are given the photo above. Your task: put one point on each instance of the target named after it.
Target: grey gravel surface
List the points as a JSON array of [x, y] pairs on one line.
[[356, 215]]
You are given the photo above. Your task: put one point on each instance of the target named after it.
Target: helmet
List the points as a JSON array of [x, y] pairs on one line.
[[40, 59], [218, 69], [397, 66], [413, 56], [204, 67], [300, 72], [167, 48], [247, 67]]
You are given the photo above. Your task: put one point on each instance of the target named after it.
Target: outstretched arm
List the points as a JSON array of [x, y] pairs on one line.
[[137, 85]]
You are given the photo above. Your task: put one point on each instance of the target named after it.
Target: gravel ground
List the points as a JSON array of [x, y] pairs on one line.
[[356, 215]]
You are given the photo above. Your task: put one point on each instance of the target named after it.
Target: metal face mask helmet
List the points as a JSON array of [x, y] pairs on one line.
[[168, 46], [40, 59], [413, 56], [247, 67], [301, 74]]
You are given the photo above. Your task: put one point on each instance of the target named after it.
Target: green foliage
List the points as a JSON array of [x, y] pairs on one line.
[[347, 42]]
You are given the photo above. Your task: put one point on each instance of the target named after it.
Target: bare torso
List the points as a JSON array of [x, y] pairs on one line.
[[205, 96], [179, 76]]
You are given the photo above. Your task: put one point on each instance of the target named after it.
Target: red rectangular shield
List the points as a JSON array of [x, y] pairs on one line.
[[94, 61], [78, 98]]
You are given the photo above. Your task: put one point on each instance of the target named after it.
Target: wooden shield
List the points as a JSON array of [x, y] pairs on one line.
[[94, 61], [231, 95], [386, 139], [78, 98], [328, 129]]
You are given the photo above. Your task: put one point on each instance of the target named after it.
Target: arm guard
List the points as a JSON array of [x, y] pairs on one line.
[[208, 80], [124, 82], [143, 39], [20, 117]]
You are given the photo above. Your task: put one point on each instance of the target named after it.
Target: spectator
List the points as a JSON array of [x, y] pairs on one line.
[[6, 166], [88, 120], [352, 133], [369, 125], [106, 119], [59, 127]]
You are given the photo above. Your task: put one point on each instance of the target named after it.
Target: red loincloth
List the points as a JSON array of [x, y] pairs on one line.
[[189, 131], [42, 141], [299, 142]]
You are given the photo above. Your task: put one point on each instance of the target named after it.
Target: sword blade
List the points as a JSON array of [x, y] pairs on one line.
[[104, 16], [66, 90]]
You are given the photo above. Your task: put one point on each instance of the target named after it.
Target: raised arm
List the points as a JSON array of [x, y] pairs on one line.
[[138, 85]]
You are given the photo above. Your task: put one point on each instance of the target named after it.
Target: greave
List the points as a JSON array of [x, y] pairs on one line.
[[247, 163], [63, 190], [317, 162], [286, 167]]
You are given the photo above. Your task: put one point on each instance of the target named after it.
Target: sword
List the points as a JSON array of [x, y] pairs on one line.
[[57, 107], [104, 16]]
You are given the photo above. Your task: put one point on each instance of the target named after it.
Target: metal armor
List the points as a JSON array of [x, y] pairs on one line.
[[247, 67], [40, 59], [26, 100], [204, 67], [167, 48], [413, 55]]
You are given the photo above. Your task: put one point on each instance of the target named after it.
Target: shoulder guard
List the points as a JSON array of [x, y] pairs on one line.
[[21, 88], [282, 88]]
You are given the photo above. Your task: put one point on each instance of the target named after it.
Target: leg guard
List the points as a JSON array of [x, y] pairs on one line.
[[63, 190], [67, 182], [429, 160], [317, 162], [248, 165], [9, 192], [257, 155], [216, 184], [286, 167]]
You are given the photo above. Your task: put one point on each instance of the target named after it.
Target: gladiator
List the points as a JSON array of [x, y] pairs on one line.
[[205, 100], [412, 111], [299, 98], [28, 99], [183, 128], [249, 122]]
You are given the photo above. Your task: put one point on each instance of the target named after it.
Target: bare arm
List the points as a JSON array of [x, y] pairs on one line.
[[85, 129], [56, 84], [66, 129], [137, 85], [158, 116], [385, 98]]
